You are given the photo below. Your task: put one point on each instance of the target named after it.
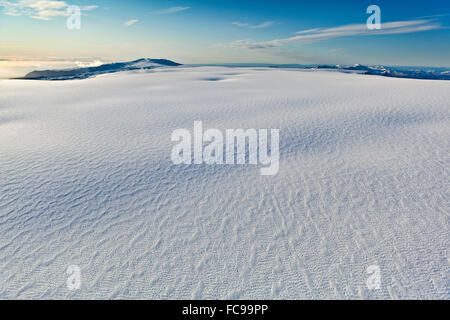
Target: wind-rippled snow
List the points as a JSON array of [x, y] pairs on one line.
[[86, 179]]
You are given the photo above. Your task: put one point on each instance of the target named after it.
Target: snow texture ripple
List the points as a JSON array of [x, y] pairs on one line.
[[86, 179]]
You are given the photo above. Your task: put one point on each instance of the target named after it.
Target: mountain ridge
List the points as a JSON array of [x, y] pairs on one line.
[[87, 72], [423, 73]]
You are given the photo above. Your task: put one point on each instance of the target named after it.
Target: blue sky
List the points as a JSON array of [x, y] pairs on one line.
[[304, 32]]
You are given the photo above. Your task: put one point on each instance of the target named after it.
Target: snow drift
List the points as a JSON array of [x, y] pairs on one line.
[[86, 179]]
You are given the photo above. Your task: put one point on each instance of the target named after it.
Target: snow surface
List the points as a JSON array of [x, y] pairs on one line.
[[86, 179]]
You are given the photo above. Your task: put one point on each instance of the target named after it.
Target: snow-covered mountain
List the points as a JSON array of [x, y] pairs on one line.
[[425, 73], [82, 73]]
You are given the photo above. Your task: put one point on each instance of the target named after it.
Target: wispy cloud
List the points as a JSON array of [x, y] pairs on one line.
[[337, 50], [171, 10], [39, 9], [262, 25], [130, 22], [248, 44], [89, 8], [361, 29], [82, 64], [321, 34], [240, 24]]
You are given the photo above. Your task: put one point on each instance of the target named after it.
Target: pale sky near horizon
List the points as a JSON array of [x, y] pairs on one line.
[[33, 33]]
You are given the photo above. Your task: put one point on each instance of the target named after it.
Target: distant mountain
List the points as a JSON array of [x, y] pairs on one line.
[[83, 73], [425, 73]]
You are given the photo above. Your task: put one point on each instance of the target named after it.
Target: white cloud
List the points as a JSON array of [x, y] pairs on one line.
[[171, 10], [130, 22], [361, 29], [262, 25], [48, 14], [89, 8], [247, 44], [265, 24], [337, 51], [82, 64], [320, 34], [39, 9], [240, 24], [308, 31]]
